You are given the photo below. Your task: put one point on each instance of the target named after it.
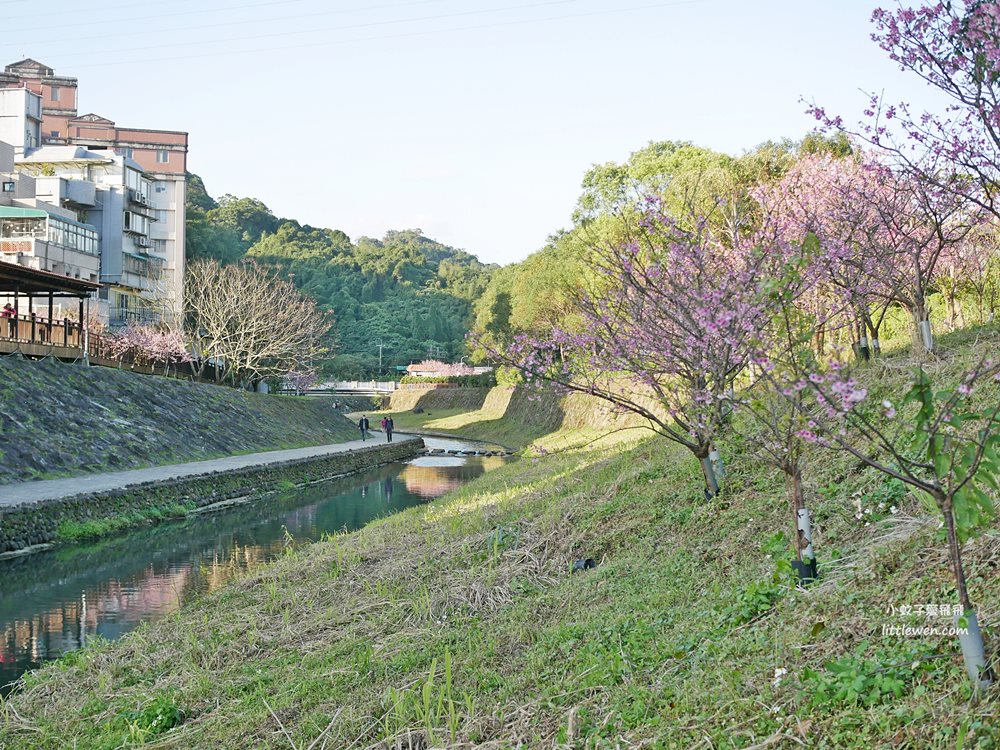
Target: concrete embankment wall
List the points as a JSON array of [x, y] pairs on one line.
[[27, 525]]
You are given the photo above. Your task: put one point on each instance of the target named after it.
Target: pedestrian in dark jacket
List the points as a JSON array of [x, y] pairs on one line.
[[389, 427], [363, 426]]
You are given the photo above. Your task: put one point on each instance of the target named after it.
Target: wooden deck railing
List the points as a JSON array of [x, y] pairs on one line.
[[64, 339], [34, 329]]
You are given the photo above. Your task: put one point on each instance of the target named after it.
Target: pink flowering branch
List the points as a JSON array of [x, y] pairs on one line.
[[671, 321], [955, 48]]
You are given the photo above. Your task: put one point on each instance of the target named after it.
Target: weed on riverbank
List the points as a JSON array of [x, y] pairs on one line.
[[461, 624]]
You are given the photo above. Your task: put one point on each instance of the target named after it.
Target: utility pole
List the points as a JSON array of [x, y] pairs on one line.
[[380, 346]]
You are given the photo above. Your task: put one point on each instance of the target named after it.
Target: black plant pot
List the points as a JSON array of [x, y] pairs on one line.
[[806, 571]]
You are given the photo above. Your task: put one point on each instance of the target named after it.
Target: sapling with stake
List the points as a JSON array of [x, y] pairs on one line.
[[937, 443], [667, 326], [784, 359]]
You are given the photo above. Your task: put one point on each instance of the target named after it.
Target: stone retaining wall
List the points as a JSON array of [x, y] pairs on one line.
[[26, 525]]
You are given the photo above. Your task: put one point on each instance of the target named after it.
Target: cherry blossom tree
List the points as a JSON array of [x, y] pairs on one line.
[[301, 380], [916, 225], [830, 198], [885, 234], [973, 269], [780, 419], [148, 345], [934, 441], [668, 323]]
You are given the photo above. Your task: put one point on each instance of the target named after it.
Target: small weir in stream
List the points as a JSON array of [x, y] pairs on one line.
[[54, 602]]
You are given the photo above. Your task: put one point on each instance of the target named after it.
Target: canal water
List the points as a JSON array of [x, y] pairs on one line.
[[54, 602]]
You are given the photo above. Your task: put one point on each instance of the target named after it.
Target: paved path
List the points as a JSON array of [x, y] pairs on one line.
[[53, 489]]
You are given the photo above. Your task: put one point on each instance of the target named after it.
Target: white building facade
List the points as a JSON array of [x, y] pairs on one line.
[[135, 287], [140, 194], [37, 234]]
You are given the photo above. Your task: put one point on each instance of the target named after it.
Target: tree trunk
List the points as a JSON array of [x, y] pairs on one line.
[[923, 338], [711, 481], [819, 338], [717, 465], [873, 329], [950, 310], [803, 521], [970, 637]]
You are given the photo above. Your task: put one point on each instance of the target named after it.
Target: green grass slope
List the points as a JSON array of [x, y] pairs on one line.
[[520, 418], [460, 623], [60, 419]]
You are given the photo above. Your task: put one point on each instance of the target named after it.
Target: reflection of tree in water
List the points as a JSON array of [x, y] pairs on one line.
[[433, 481], [53, 602]]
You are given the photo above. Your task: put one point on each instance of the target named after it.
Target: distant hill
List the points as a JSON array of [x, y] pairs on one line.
[[405, 290]]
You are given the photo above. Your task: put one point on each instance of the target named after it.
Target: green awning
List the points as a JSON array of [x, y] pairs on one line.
[[16, 212]]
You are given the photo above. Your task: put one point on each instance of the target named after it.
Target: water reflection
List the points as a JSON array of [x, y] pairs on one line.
[[53, 602]]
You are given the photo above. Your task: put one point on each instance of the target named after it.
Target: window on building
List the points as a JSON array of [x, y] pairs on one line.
[[8, 187], [73, 236], [55, 93], [162, 156], [55, 133], [125, 151], [136, 223], [161, 188]]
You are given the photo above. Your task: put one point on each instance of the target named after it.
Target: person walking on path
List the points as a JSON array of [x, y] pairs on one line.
[[385, 421], [363, 426], [389, 427]]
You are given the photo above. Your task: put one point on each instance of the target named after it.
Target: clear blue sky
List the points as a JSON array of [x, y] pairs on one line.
[[474, 121]]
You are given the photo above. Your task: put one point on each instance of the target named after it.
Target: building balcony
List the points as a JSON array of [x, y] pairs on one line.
[[138, 199], [139, 272], [59, 191], [146, 265], [123, 316]]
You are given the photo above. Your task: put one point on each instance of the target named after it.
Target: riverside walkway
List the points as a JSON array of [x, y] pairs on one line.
[[27, 493]]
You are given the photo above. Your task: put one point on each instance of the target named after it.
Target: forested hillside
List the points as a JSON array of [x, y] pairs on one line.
[[408, 292]]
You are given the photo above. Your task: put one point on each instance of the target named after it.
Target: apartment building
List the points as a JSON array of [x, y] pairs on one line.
[[135, 285], [57, 93], [37, 234], [20, 118], [150, 231]]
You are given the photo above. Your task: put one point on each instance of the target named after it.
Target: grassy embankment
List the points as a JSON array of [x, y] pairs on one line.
[[459, 623], [61, 420], [513, 418]]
